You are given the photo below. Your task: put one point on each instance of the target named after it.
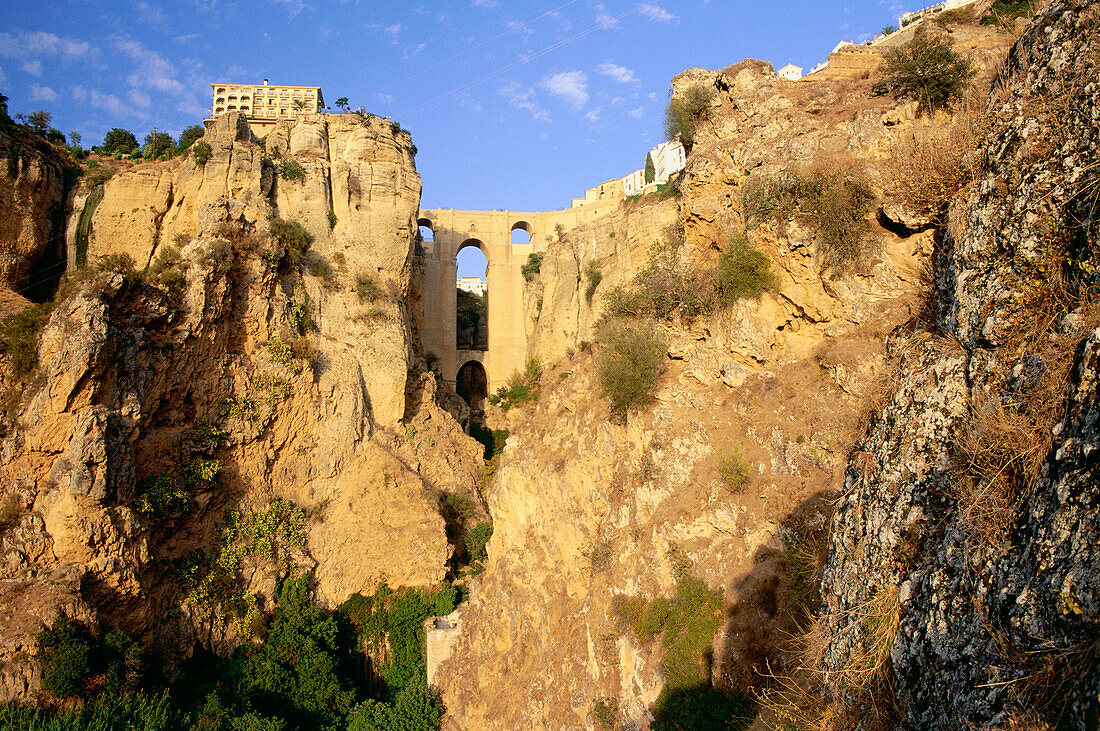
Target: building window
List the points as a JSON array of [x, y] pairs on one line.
[[218, 110], [221, 90]]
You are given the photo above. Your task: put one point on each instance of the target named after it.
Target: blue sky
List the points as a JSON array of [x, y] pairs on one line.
[[517, 104]]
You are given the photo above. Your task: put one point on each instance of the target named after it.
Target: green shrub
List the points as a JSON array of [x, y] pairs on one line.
[[477, 540], [367, 289], [928, 71], [666, 286], [110, 711], [162, 495], [630, 362], [293, 237], [117, 264], [200, 152], [492, 439], [594, 276], [19, 338], [190, 136], [274, 387], [683, 113], [833, 201], [743, 271], [65, 652], [889, 29], [332, 220], [119, 140], [291, 169], [1004, 11], [200, 472], [605, 712], [530, 268], [734, 472], [522, 388]]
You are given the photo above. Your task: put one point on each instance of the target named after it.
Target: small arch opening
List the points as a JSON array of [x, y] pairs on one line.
[[472, 384], [472, 297], [521, 232], [427, 231]]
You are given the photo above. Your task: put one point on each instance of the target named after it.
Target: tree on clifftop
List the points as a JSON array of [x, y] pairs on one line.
[[189, 135], [650, 171], [684, 111], [342, 104], [120, 140], [928, 71]]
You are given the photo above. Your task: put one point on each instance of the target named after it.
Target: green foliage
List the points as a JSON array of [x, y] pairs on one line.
[[477, 540], [367, 289], [19, 338], [110, 711], [687, 624], [605, 712], [240, 408], [342, 103], [1004, 11], [594, 276], [117, 264], [200, 152], [734, 472], [522, 388], [666, 286], [204, 430], [743, 271], [683, 113], [273, 386], [159, 144], [630, 362], [119, 140], [833, 201], [162, 495], [531, 268], [417, 708], [293, 238], [492, 439], [650, 170], [291, 169], [190, 135], [65, 651], [471, 320], [280, 351], [200, 472], [927, 70], [332, 220], [888, 29]]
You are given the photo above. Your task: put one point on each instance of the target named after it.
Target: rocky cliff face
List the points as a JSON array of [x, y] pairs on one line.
[[32, 210], [965, 541], [131, 368], [585, 509]]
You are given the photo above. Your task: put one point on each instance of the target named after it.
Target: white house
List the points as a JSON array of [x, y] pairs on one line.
[[634, 183], [669, 158], [790, 71], [473, 285]]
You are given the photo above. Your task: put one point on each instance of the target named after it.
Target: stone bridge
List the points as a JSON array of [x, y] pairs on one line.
[[490, 231]]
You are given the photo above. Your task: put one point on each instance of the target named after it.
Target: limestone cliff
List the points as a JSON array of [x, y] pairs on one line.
[[969, 515], [585, 509], [302, 380]]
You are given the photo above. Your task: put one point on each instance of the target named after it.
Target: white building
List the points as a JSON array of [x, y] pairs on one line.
[[790, 71], [669, 158], [474, 285], [634, 183]]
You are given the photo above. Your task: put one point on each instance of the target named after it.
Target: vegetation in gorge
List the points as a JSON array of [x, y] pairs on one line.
[[928, 71], [361, 667], [629, 363], [522, 389], [686, 624]]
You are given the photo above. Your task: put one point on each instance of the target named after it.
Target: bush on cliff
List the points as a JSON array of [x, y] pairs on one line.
[[19, 338], [630, 362], [928, 71], [683, 113]]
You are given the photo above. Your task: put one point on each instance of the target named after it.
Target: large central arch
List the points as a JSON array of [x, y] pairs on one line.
[[491, 231]]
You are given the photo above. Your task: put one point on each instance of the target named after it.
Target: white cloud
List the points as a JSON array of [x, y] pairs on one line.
[[391, 30], [186, 38], [150, 14], [385, 99], [43, 93], [620, 74], [652, 96], [593, 115], [411, 51], [3, 77], [139, 99], [635, 113], [572, 86], [153, 70], [98, 99], [41, 44], [485, 3], [653, 11], [524, 99], [603, 18], [34, 68], [293, 7]]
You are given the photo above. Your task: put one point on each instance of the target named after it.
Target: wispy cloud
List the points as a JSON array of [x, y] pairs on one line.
[[153, 71], [293, 7], [43, 93], [572, 86], [485, 3], [39, 43], [653, 11], [34, 68], [593, 115], [604, 19], [107, 102], [186, 38], [635, 113], [392, 30], [411, 51], [525, 99], [620, 74]]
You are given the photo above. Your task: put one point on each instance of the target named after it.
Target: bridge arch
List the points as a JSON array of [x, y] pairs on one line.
[[472, 384], [426, 223]]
